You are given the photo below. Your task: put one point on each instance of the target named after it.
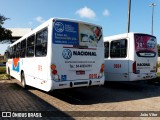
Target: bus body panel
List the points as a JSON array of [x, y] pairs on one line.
[[84, 70], [118, 70], [79, 61], [140, 61], [53, 71], [14, 68], [145, 56]]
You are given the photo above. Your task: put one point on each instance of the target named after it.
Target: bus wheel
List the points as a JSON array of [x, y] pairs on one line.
[[9, 75], [23, 80]]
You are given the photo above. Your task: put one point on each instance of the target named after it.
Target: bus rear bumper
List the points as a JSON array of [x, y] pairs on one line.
[[142, 76], [76, 83]]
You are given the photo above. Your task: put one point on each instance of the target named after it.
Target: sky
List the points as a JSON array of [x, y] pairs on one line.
[[110, 14]]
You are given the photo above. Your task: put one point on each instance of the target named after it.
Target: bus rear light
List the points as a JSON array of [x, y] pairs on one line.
[[134, 67], [102, 68], [54, 72], [53, 67], [100, 75]]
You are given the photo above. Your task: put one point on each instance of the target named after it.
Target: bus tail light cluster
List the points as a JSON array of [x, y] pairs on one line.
[[54, 72], [134, 67], [101, 71]]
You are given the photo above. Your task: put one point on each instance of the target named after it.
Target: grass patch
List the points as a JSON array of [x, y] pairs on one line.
[[4, 76], [158, 74], [2, 60], [2, 69]]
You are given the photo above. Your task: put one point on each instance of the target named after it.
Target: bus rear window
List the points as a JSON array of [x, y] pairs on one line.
[[145, 45], [106, 49], [118, 49], [90, 36], [77, 34]]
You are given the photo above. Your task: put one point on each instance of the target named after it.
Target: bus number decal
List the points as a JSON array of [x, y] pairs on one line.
[[93, 76], [117, 65], [39, 67]]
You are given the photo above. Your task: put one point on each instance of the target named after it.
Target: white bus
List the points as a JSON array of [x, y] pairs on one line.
[[60, 53], [130, 57]]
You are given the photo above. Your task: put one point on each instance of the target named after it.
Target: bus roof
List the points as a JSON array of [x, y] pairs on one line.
[[125, 35], [45, 24], [74, 20]]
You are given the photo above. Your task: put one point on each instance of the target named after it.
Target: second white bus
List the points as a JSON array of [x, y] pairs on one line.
[[130, 57], [60, 53]]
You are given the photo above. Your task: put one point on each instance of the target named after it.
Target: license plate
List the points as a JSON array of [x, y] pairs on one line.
[[80, 72], [148, 77]]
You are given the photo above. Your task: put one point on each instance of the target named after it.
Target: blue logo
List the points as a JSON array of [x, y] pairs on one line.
[[65, 32], [59, 27], [67, 54], [17, 68], [63, 77]]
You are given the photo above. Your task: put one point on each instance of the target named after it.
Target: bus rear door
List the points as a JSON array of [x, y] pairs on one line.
[[118, 64]]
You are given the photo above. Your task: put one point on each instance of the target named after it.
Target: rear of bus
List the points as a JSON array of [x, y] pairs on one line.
[[77, 54], [145, 57]]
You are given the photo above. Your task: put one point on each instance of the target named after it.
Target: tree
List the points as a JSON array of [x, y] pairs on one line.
[[158, 46], [5, 34]]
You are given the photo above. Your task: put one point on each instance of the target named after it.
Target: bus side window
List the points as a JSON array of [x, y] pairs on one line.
[[18, 50], [106, 52], [118, 48], [41, 43], [7, 54], [14, 51], [10, 53], [30, 46], [23, 49], [123, 48]]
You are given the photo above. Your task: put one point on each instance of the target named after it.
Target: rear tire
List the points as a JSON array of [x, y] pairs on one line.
[[9, 75], [23, 82]]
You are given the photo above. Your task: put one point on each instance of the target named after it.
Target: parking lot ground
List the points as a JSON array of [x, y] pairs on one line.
[[115, 101], [15, 99]]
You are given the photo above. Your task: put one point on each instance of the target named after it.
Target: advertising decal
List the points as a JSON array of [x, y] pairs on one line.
[[145, 45]]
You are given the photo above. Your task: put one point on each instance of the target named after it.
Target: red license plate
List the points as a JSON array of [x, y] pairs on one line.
[[80, 72]]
